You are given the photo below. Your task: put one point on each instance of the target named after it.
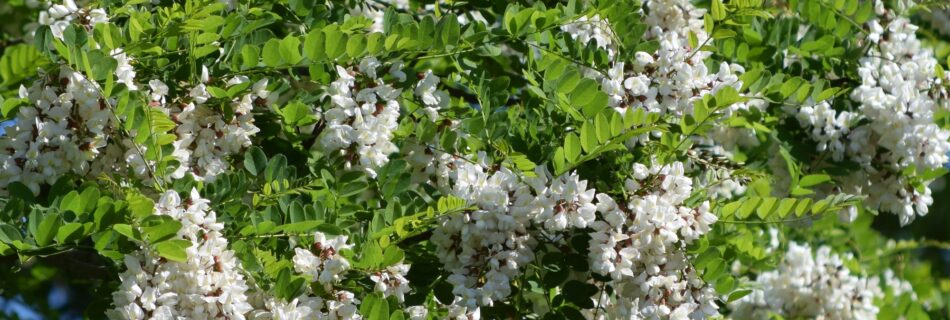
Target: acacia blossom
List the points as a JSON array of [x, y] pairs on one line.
[[323, 263], [208, 284], [811, 285], [641, 247], [59, 16], [362, 116], [63, 129], [204, 135], [892, 131]]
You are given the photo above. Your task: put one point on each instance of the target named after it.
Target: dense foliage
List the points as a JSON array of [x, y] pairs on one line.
[[288, 159]]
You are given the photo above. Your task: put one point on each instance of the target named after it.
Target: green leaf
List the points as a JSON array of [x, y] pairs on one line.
[[580, 293], [450, 30], [314, 46], [723, 34], [572, 147], [380, 310], [101, 65], [813, 180], [173, 250], [765, 208], [297, 114], [255, 160], [391, 256], [397, 315], [75, 36], [69, 232], [865, 12], [819, 45], [725, 284], [127, 231], [335, 43], [588, 137], [785, 207], [9, 233], [271, 53], [602, 126], [71, 202], [353, 188], [139, 205], [89, 198], [47, 229], [160, 228], [290, 50], [10, 107], [802, 207], [725, 97], [217, 92], [738, 294], [355, 46], [18, 61], [748, 207], [693, 40], [250, 56], [718, 10]]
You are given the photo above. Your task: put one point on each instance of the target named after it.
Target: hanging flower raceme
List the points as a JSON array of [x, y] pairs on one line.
[[59, 16], [392, 281], [62, 129], [642, 247], [362, 116], [898, 99], [432, 98], [808, 285], [205, 136], [323, 263], [208, 284], [487, 247]]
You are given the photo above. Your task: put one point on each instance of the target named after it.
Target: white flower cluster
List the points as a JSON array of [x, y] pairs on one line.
[[207, 285], [270, 308], [484, 248], [670, 79], [641, 247], [343, 306], [324, 264], [205, 137], [59, 16], [432, 98], [376, 12], [898, 97], [63, 129], [563, 203], [392, 281], [825, 126], [807, 285], [585, 30], [124, 72], [363, 114]]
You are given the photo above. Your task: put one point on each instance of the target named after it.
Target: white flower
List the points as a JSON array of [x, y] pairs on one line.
[[324, 263], [392, 281], [208, 284], [65, 128], [124, 73], [810, 286], [430, 95], [364, 120]]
